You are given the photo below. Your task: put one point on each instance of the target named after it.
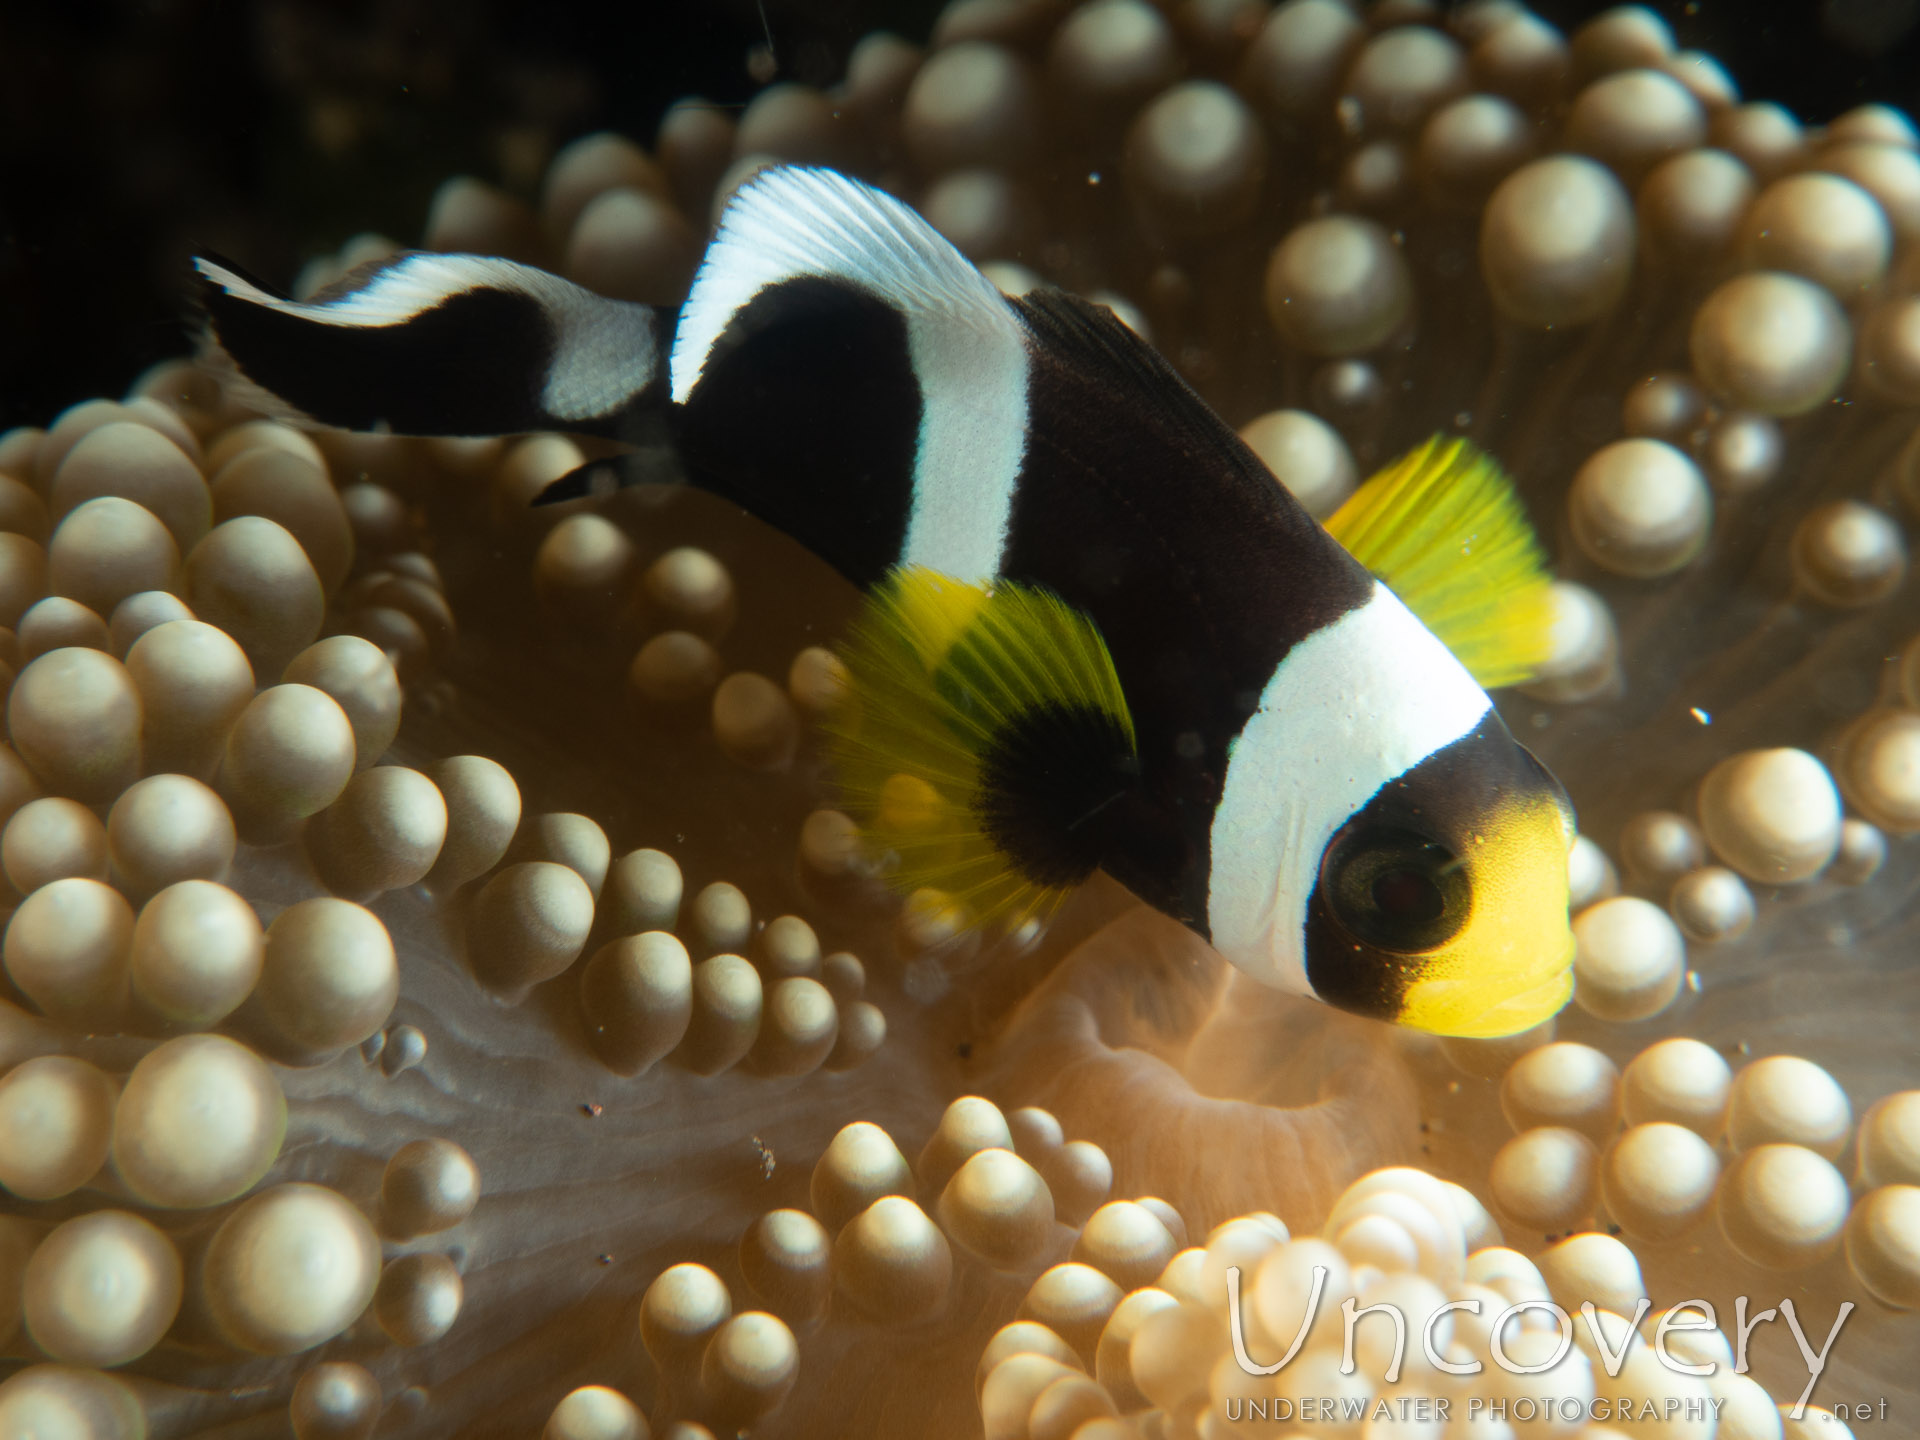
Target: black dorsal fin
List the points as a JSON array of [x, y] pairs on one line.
[[1083, 333], [430, 344]]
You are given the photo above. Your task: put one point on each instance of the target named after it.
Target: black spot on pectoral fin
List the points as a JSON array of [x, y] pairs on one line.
[[1059, 791]]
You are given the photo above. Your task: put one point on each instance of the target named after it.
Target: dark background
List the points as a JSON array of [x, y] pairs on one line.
[[133, 133]]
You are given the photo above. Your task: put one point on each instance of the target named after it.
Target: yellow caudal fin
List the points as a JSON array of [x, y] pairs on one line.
[[980, 722], [1443, 528]]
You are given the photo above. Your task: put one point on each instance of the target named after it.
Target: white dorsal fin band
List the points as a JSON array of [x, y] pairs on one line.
[[605, 351], [967, 346]]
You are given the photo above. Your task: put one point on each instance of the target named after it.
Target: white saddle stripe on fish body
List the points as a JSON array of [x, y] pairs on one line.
[[967, 346]]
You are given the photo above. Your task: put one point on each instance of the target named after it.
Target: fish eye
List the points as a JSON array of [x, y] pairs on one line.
[[1395, 890]]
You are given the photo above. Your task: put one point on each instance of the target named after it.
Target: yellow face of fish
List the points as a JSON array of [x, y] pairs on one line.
[[1442, 903]]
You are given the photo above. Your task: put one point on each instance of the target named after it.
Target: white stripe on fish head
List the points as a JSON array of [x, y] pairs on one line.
[[1357, 703]]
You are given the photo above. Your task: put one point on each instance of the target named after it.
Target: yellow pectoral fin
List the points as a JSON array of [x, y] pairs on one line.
[[940, 674], [1443, 528]]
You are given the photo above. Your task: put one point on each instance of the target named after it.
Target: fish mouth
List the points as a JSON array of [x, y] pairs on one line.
[[1520, 1011], [1465, 1007]]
